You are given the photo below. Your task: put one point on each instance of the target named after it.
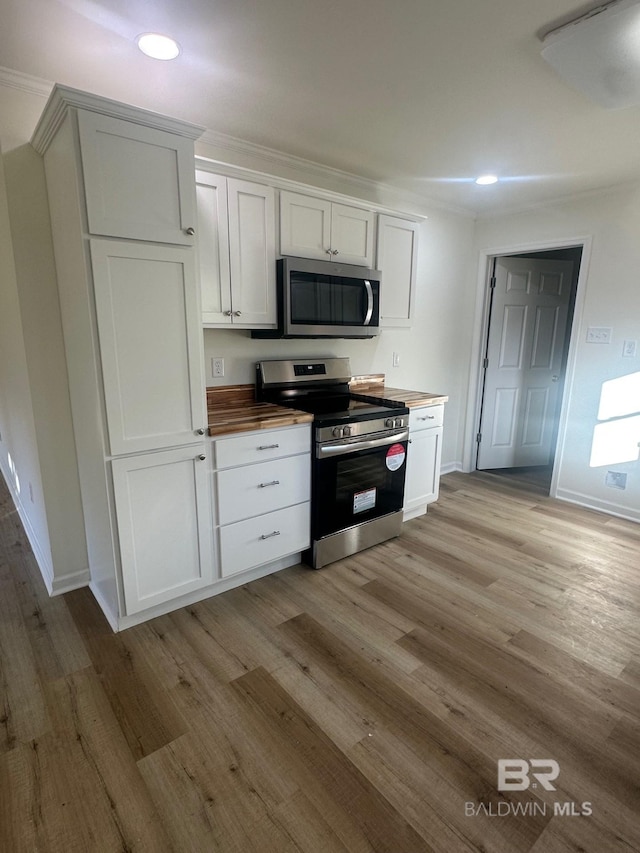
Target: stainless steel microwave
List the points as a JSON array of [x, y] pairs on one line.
[[323, 299]]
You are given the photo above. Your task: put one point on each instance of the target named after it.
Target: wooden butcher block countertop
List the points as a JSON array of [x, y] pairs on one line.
[[375, 385], [232, 408]]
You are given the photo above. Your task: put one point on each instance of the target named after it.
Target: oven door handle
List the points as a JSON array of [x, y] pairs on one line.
[[326, 450], [369, 313]]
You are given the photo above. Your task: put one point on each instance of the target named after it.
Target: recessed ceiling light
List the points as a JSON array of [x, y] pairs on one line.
[[157, 46], [485, 180]]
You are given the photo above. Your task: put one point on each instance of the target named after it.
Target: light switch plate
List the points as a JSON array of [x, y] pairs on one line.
[[598, 335]]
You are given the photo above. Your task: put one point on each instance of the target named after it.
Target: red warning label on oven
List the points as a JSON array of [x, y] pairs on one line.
[[395, 457]]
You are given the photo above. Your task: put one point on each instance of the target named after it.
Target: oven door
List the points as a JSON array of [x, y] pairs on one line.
[[357, 480]]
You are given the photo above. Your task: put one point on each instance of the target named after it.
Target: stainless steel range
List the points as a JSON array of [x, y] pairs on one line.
[[359, 454]]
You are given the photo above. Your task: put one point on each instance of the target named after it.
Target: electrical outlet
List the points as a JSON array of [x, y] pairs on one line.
[[629, 349], [217, 366], [616, 480], [396, 359], [598, 335]]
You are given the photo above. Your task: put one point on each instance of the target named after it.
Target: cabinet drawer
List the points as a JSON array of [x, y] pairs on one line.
[[426, 417], [250, 447], [263, 487], [251, 543]]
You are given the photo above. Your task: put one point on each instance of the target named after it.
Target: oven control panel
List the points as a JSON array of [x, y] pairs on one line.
[[362, 428], [396, 423]]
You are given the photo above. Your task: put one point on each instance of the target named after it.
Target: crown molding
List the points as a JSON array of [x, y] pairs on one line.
[[25, 82], [63, 98], [312, 172]]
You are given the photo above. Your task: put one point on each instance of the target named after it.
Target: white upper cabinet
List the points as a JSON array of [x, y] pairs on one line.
[[138, 180], [150, 344], [396, 257], [236, 251], [315, 228]]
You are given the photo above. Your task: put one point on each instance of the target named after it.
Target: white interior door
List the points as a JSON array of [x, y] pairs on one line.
[[524, 362]]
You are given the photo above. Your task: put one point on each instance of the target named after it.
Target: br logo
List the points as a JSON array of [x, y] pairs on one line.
[[513, 773]]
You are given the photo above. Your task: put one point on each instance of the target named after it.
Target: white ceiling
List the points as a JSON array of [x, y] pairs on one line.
[[414, 93]]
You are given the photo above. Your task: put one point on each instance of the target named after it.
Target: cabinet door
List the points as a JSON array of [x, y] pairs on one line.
[[150, 343], [163, 511], [305, 226], [252, 253], [423, 469], [138, 180], [213, 248], [396, 257], [352, 235]]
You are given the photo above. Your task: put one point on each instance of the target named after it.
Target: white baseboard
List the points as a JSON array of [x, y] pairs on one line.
[[589, 502], [73, 580], [55, 585], [42, 555], [450, 467]]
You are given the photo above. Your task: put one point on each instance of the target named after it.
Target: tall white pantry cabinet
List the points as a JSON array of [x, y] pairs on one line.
[[122, 202]]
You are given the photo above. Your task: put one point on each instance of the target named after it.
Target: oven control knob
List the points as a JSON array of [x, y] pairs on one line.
[[337, 432], [346, 431], [398, 423], [390, 423]]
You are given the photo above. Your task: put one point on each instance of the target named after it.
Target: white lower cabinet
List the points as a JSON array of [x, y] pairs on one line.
[[260, 540], [423, 459], [263, 491], [163, 511]]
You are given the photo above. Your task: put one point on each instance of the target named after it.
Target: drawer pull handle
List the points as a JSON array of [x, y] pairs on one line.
[[268, 446], [428, 418], [269, 535], [272, 483]]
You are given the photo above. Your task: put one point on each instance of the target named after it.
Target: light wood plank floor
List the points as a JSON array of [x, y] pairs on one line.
[[362, 707]]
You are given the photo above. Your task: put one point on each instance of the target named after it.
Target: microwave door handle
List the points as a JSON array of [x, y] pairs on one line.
[[369, 313]]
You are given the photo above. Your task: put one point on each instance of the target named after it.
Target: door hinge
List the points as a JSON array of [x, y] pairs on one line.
[[485, 363], [478, 438], [492, 282]]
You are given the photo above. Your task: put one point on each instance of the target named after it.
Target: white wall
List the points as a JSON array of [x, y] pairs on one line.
[[19, 459], [46, 364], [610, 297]]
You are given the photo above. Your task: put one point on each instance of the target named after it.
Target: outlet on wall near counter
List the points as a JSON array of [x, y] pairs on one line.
[[217, 367]]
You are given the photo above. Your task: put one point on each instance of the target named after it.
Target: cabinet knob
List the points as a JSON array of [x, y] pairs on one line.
[[237, 313], [228, 313], [328, 251], [199, 432], [334, 252], [202, 457], [190, 231]]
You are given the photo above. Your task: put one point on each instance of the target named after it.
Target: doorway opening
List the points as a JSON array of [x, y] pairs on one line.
[[531, 299]]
